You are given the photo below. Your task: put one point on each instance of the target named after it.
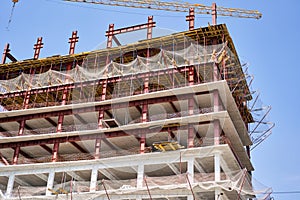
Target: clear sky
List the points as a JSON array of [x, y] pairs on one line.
[[270, 45]]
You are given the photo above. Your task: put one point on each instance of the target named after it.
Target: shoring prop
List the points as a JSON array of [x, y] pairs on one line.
[[147, 188], [105, 189], [187, 177]]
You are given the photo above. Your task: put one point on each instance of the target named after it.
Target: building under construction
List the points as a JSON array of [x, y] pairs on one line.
[[162, 118]]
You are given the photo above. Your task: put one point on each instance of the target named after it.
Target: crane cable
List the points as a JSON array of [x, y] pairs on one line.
[[11, 13]]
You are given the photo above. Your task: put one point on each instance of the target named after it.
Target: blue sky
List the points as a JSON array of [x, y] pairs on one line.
[[270, 45]]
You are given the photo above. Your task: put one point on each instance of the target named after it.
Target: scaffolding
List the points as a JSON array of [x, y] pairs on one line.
[[183, 94]]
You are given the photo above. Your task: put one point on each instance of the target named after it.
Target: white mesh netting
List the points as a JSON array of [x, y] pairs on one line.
[[192, 55], [236, 184]]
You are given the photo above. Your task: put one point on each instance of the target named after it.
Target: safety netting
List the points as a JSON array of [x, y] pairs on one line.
[[232, 185], [90, 70]]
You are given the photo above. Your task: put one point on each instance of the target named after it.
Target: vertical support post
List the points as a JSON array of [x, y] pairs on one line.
[[142, 143], [110, 35], [217, 169], [191, 134], [190, 169], [18, 148], [104, 88], [216, 101], [217, 132], [50, 183], [55, 152], [10, 185], [191, 75], [37, 48], [216, 72], [224, 69], [59, 123], [16, 155], [191, 103], [217, 166], [145, 105], [97, 147], [144, 113], [191, 130], [149, 27], [72, 41], [149, 32], [22, 127], [104, 83], [214, 13], [101, 115], [99, 138], [140, 176], [94, 177], [26, 100], [5, 52], [191, 19], [100, 118], [58, 130]]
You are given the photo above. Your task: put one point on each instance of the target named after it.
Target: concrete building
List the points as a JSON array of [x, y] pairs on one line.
[[162, 118]]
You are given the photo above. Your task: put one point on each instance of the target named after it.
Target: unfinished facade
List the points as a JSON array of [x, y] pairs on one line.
[[163, 118]]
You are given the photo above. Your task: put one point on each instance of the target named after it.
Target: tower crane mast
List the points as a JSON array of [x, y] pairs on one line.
[[176, 7]]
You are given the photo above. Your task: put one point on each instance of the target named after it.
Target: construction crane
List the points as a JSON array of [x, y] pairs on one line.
[[176, 7]]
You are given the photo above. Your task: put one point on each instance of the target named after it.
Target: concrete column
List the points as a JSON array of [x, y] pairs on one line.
[[144, 119], [55, 152], [98, 139], [216, 101], [17, 149], [97, 147], [191, 76], [10, 185], [16, 155], [142, 143], [50, 183], [190, 169], [94, 177], [144, 113], [100, 118], [140, 176], [60, 122], [217, 132], [191, 130], [191, 103], [217, 166], [191, 135]]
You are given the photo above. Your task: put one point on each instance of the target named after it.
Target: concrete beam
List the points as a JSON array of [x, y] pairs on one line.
[[122, 161]]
